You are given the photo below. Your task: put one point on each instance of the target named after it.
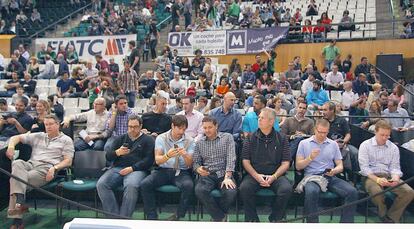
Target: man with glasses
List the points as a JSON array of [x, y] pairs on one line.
[[321, 160], [93, 137], [132, 156]]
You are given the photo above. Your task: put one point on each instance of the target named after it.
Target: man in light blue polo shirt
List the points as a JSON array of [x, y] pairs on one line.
[[317, 96], [174, 156], [250, 121], [316, 155]]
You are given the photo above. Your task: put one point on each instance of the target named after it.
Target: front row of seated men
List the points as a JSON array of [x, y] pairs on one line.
[[265, 157]]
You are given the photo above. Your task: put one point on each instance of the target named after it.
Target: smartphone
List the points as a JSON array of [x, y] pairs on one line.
[[125, 145], [327, 170], [175, 146]]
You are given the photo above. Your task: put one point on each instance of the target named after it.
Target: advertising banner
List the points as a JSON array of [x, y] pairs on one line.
[[209, 42], [87, 47], [254, 40]]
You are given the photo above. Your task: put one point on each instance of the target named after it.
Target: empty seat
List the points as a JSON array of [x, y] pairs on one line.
[[70, 102]]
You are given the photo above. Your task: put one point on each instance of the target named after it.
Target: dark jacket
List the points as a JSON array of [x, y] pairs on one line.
[[141, 156]]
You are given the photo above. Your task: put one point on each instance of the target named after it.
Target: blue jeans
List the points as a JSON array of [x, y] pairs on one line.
[[217, 209], [80, 145], [109, 145], [335, 185], [162, 177], [110, 181], [6, 93], [131, 97], [328, 64]]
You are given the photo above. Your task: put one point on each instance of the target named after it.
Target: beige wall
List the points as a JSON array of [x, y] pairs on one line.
[[370, 49], [5, 45]]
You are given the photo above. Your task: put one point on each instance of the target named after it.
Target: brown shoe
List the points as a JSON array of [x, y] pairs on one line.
[[18, 210], [173, 217]]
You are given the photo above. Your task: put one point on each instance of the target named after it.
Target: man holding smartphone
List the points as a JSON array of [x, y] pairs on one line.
[[173, 155], [379, 160], [214, 161], [316, 155], [266, 158], [132, 156]]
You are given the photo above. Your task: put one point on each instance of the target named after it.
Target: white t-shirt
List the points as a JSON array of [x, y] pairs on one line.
[[348, 97], [174, 84], [332, 78]]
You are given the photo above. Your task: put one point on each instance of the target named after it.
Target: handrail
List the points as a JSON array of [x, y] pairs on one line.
[[163, 21], [392, 16], [62, 19]]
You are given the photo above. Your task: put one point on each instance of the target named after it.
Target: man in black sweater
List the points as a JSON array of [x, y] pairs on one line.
[[266, 158], [157, 122], [132, 156]]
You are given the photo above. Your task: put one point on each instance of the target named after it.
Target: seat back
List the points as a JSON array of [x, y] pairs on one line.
[[88, 164]]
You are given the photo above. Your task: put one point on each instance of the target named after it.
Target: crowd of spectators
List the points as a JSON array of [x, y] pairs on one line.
[[216, 15], [199, 89]]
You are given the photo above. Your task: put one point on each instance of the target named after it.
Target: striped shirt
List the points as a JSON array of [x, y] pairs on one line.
[[121, 122], [376, 159], [127, 81], [219, 155]]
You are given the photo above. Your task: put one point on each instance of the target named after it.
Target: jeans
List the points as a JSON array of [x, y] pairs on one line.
[[131, 97], [335, 185], [187, 20], [175, 21], [162, 177], [110, 181], [217, 209], [109, 145], [80, 145], [6, 93], [281, 187], [153, 45], [328, 64]]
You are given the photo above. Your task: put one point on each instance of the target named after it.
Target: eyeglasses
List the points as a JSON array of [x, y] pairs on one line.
[[133, 127]]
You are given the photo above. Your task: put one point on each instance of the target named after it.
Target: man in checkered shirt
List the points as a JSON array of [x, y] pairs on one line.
[[214, 160]]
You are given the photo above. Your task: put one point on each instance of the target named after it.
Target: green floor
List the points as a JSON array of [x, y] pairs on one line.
[[45, 216]]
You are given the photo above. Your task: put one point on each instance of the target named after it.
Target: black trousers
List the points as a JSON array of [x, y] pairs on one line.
[[282, 187]]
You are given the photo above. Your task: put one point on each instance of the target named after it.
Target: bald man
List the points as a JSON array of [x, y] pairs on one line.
[[229, 119], [95, 126]]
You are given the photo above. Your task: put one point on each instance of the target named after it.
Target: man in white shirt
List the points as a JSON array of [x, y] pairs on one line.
[[49, 71], [334, 79], [194, 118], [308, 83], [177, 86], [348, 96], [95, 126]]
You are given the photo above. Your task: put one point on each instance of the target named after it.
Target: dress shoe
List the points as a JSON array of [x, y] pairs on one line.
[[386, 219], [173, 217]]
